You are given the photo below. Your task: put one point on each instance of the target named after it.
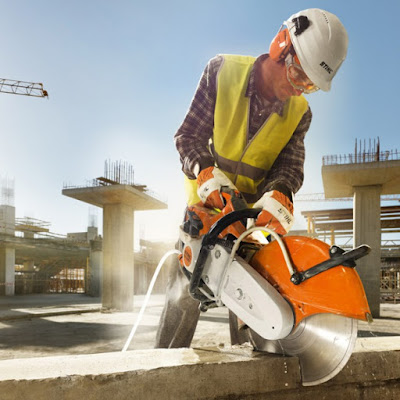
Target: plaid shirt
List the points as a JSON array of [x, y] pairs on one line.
[[192, 138]]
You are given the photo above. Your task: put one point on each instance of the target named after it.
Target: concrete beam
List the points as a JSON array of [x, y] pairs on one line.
[[114, 194], [339, 180], [212, 373]]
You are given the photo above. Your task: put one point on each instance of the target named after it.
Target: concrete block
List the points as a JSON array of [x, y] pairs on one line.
[[148, 374], [206, 373], [369, 367]]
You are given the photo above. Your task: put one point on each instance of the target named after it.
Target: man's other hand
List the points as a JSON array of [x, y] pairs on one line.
[[277, 212]]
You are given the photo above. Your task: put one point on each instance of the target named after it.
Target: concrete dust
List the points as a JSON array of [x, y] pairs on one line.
[[39, 330], [67, 324]]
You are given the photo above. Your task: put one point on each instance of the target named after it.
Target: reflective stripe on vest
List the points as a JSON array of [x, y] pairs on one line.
[[246, 162]]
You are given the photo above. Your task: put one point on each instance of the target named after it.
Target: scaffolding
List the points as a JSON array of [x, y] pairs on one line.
[[32, 225], [69, 280]]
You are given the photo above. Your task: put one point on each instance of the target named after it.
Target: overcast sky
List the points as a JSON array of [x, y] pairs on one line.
[[121, 75]]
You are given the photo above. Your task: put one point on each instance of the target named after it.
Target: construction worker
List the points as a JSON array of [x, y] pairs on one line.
[[245, 129]]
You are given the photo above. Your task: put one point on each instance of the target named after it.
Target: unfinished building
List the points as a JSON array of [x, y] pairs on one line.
[[35, 260]]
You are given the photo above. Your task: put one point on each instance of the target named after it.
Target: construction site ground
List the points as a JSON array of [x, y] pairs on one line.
[[70, 324]]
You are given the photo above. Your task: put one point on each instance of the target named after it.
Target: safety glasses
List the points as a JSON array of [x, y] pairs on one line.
[[297, 77]]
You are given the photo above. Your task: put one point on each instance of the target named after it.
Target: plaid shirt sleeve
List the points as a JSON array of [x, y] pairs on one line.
[[288, 168], [192, 138]]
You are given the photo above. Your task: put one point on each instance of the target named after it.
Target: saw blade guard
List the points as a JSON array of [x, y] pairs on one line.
[[337, 290]]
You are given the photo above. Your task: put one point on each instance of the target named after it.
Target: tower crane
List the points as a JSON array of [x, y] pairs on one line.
[[22, 88]]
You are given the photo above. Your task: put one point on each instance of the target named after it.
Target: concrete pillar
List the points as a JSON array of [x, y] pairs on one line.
[[7, 219], [7, 271], [92, 233], [118, 257], [95, 273], [7, 253], [367, 230]]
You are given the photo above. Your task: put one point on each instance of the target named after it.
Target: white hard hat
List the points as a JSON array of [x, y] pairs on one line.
[[320, 44]]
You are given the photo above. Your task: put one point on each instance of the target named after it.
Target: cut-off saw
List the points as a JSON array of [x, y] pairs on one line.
[[295, 296]]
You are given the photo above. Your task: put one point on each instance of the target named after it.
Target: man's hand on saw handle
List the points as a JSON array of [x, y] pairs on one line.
[[210, 182], [277, 212], [277, 209]]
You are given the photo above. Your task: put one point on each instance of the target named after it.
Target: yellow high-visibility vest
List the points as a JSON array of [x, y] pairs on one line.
[[246, 162]]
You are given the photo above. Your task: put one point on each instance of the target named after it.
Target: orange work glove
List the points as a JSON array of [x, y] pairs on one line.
[[209, 182], [277, 212]]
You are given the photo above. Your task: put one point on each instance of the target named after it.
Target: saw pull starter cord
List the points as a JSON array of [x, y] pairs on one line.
[[147, 298]]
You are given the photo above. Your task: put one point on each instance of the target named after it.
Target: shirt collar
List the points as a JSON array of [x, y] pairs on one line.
[[276, 106]]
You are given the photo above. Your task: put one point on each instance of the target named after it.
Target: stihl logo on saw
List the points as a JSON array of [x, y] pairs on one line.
[[187, 256]]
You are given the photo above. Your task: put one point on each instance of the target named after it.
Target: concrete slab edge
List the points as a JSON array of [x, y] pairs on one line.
[[43, 314], [190, 374]]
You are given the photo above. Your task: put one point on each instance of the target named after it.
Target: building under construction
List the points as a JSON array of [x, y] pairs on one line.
[[35, 260]]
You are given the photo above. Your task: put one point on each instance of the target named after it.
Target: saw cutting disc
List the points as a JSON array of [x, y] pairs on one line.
[[322, 342]]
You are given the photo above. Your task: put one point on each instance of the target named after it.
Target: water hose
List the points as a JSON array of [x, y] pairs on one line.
[[275, 236], [147, 298], [236, 246]]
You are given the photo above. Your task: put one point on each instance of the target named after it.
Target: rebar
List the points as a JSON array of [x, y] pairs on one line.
[[363, 154], [119, 171]]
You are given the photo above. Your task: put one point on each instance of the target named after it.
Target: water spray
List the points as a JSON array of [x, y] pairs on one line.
[[147, 298]]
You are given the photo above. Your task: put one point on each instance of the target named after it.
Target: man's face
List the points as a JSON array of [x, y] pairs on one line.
[[297, 77], [282, 88]]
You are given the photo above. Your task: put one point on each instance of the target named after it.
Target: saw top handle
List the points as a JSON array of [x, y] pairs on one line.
[[239, 213], [208, 242], [238, 210], [210, 238]]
